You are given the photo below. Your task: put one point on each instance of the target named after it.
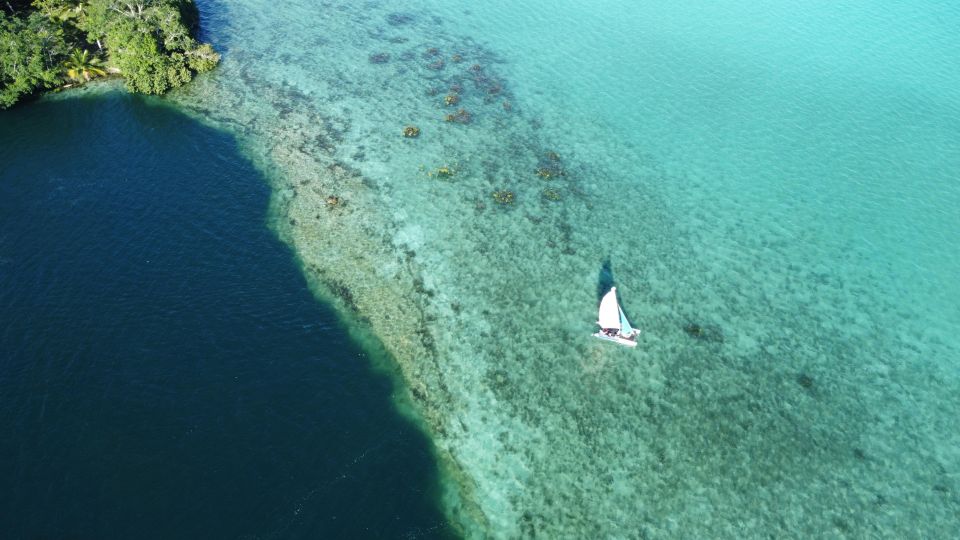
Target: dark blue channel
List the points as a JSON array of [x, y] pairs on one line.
[[164, 370]]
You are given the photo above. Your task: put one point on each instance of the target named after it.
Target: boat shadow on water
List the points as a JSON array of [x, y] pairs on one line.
[[604, 278]]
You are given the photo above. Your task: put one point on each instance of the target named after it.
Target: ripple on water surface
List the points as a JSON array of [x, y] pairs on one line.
[[164, 370]]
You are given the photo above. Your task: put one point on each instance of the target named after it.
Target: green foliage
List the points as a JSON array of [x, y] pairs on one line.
[[82, 67], [203, 58], [60, 11], [140, 58], [148, 42], [31, 50]]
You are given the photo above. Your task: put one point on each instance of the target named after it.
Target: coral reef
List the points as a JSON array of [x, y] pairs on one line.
[[459, 117], [504, 196], [704, 332], [550, 166], [445, 171]]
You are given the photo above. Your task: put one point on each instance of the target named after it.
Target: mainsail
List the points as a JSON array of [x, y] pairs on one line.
[[610, 313]]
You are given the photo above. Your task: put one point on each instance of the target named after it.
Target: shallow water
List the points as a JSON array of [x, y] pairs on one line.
[[772, 188], [164, 370]]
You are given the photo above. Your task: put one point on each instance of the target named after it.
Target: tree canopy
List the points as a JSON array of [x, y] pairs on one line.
[[30, 52], [148, 42]]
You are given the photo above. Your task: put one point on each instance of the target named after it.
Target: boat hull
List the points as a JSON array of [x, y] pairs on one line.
[[616, 339]]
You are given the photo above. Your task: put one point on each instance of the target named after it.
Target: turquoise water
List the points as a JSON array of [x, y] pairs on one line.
[[781, 177], [164, 370], [773, 188]]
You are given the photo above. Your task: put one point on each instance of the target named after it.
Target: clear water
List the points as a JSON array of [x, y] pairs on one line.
[[164, 369], [773, 187]]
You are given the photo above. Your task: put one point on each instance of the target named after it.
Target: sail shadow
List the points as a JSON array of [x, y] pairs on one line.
[[604, 278]]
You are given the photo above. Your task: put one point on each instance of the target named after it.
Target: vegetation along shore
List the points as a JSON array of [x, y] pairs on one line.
[[46, 44]]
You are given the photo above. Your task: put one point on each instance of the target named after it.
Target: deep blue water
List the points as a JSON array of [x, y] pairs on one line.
[[164, 370]]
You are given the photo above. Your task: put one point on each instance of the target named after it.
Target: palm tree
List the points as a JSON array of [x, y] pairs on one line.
[[83, 67]]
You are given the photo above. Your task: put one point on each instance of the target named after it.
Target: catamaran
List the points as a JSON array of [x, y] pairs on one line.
[[614, 325]]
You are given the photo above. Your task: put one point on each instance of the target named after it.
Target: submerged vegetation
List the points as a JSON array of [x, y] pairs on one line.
[[46, 43]]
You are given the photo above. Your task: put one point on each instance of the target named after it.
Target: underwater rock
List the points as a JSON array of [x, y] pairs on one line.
[[456, 59], [451, 99], [411, 132], [459, 117], [551, 194], [400, 18], [693, 330], [550, 166], [437, 65], [706, 333], [504, 196], [343, 292], [333, 200], [379, 58], [443, 172], [805, 381]]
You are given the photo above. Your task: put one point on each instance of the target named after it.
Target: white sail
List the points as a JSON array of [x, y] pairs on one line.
[[609, 310]]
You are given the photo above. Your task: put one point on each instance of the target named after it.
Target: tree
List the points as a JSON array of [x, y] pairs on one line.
[[149, 42], [31, 50], [82, 67], [61, 11], [141, 60], [203, 58]]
